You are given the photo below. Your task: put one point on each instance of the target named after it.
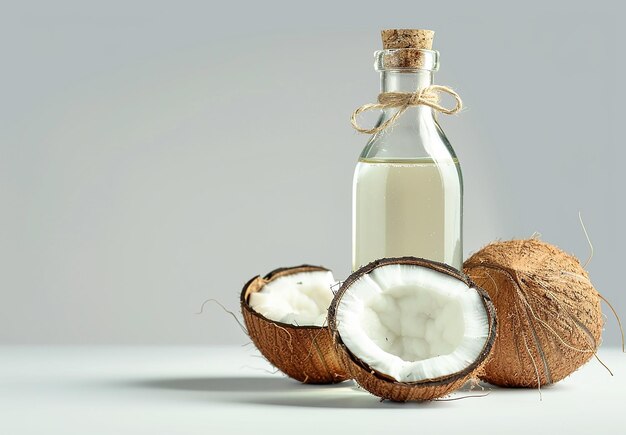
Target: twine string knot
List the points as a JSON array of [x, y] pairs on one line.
[[428, 96]]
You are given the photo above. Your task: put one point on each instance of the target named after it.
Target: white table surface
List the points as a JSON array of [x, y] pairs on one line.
[[221, 390]]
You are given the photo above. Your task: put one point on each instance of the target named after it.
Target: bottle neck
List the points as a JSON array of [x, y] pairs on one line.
[[407, 81], [413, 135], [396, 81]]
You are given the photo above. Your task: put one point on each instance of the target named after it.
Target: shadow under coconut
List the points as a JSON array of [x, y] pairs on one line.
[[227, 384], [346, 400], [261, 390], [347, 395]]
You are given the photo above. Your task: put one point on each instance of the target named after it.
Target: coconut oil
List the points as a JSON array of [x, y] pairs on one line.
[[407, 207], [408, 188]]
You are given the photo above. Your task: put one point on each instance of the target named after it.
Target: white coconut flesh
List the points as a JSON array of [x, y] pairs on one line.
[[300, 299], [412, 323]]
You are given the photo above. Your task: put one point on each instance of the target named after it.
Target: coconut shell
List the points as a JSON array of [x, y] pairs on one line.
[[549, 315], [305, 353], [387, 387]]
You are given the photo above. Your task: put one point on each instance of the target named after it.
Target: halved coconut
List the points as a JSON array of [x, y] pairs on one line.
[[285, 315], [411, 329]]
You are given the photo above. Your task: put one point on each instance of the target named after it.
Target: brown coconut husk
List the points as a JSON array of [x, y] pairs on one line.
[[387, 387], [305, 353], [549, 315]]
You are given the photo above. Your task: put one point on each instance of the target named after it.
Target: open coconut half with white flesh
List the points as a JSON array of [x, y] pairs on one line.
[[285, 314], [411, 329]]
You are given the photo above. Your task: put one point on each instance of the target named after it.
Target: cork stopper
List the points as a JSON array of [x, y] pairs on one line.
[[408, 38], [402, 49]]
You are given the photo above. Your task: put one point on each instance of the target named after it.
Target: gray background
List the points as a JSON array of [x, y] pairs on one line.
[[155, 154]]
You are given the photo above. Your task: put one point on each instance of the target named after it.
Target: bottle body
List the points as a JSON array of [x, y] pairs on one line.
[[408, 188], [407, 207]]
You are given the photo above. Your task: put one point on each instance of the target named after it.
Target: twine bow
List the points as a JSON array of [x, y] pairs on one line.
[[428, 96]]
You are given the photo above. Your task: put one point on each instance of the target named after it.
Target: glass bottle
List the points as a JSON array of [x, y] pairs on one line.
[[408, 188]]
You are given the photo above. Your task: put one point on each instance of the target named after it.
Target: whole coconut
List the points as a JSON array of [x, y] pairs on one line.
[[549, 316]]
